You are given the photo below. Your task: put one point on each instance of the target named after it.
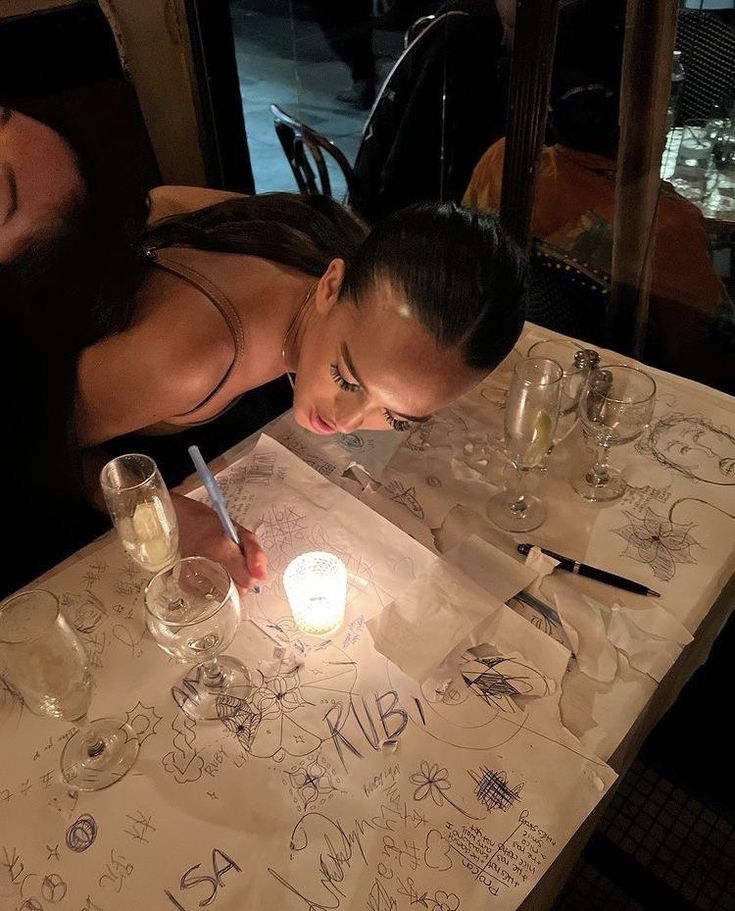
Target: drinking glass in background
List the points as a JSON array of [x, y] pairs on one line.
[[45, 663], [193, 613], [576, 363], [531, 415], [140, 506], [694, 160], [725, 185], [615, 407]]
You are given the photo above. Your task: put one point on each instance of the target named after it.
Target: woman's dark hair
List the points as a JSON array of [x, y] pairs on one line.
[[304, 232], [461, 275]]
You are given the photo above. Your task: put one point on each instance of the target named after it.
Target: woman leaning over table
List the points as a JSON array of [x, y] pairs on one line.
[[381, 328]]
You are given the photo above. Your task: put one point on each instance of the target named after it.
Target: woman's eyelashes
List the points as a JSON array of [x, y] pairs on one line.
[[347, 386], [341, 381]]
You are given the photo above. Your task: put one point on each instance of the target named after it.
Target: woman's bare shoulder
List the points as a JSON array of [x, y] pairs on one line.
[[170, 200]]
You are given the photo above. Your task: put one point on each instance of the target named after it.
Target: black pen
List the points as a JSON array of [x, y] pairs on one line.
[[592, 572]]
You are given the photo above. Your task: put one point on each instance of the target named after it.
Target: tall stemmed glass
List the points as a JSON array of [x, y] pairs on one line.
[[140, 506], [193, 613], [615, 407], [531, 415], [576, 363], [45, 662]]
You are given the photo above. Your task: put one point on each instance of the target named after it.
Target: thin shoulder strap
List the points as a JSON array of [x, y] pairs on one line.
[[163, 259]]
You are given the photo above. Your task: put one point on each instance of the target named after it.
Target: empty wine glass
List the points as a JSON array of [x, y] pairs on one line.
[[531, 415], [615, 407], [46, 664], [193, 613], [140, 506], [576, 363]]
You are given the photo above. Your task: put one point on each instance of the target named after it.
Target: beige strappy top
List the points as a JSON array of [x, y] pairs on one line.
[[181, 262]]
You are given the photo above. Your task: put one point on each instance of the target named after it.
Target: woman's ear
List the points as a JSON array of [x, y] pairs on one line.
[[329, 286]]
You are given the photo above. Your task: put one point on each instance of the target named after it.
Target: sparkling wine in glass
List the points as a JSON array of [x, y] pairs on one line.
[[45, 663], [576, 363], [615, 407], [531, 415], [140, 506], [193, 613]]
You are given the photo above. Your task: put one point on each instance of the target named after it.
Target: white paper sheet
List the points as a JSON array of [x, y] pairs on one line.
[[336, 784]]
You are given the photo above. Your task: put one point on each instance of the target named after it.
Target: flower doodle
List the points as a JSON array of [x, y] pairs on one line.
[[445, 901], [432, 781], [658, 542]]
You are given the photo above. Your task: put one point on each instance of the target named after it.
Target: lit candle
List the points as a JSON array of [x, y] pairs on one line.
[[316, 587]]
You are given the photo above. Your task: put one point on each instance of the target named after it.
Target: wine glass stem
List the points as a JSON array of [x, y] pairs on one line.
[[94, 746], [599, 473], [214, 677], [517, 490]]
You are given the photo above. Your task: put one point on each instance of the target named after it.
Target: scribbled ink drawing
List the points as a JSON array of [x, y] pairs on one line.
[[144, 720], [433, 781], [693, 446], [129, 639], [640, 497], [311, 781], [658, 542], [84, 611], [319, 464], [31, 904], [492, 789], [444, 901], [139, 826], [495, 395], [437, 852], [282, 532], [259, 470], [401, 493], [239, 718], [360, 572], [498, 681], [276, 720], [352, 441], [183, 762], [81, 834], [418, 438], [542, 616], [53, 888]]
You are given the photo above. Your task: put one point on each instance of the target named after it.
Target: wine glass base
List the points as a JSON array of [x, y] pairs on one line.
[[612, 489], [504, 511], [203, 696], [115, 750]]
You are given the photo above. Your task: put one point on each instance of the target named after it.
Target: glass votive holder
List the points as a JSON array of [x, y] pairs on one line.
[[316, 588]]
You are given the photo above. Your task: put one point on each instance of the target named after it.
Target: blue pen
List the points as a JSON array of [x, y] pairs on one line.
[[218, 501]]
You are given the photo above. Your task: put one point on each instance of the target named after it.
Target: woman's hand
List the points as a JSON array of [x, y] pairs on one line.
[[201, 534]]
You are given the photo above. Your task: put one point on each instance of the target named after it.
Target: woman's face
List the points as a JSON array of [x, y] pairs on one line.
[[373, 367], [39, 180]]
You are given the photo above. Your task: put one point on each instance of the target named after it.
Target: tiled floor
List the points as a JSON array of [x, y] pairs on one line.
[[285, 58]]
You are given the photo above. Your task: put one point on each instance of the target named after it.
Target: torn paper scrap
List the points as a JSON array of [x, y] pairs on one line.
[[496, 572], [433, 615]]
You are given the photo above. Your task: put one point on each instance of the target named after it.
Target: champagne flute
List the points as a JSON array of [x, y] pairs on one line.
[[46, 664], [193, 613], [576, 363], [140, 506], [615, 407], [531, 415]]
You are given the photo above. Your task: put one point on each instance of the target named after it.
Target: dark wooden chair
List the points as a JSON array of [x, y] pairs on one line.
[[305, 151]]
